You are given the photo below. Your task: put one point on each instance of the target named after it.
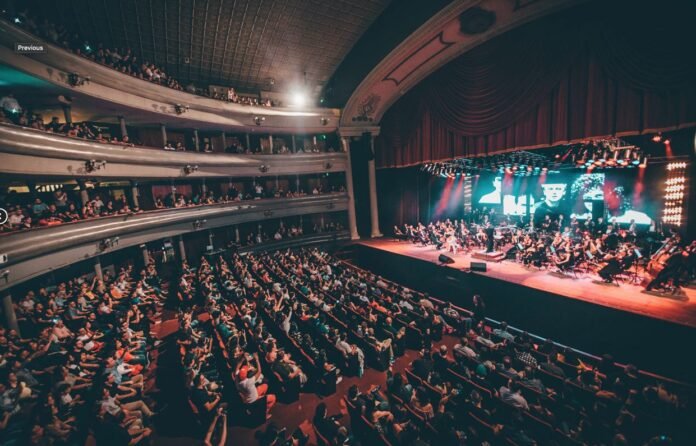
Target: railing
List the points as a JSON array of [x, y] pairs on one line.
[[55, 65], [36, 251], [35, 152]]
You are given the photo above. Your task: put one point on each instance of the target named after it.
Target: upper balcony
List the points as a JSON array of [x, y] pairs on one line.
[[150, 102], [37, 153]]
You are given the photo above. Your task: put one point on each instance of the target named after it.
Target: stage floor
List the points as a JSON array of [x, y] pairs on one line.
[[680, 309]]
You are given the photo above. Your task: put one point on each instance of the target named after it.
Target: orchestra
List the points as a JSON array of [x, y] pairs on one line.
[[606, 249]]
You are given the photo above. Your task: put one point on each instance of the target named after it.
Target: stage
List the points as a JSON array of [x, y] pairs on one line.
[[680, 308]]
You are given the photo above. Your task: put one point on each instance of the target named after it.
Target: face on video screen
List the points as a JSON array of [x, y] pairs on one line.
[[554, 192]]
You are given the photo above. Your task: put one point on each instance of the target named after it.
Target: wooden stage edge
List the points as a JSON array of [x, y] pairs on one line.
[[678, 309]]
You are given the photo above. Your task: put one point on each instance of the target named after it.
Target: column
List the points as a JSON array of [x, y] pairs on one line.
[[277, 183], [204, 189], [182, 249], [9, 311], [294, 149], [98, 268], [352, 223], [163, 129], [297, 183], [122, 123], [237, 238], [67, 113], [210, 238], [196, 141], [270, 143], [146, 254], [135, 194], [322, 225], [248, 142], [372, 179], [84, 195], [224, 141], [314, 140]]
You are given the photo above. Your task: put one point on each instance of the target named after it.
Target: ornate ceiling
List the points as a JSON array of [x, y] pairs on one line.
[[249, 44]]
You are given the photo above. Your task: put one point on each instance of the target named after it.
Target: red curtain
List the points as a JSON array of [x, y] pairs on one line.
[[590, 71]]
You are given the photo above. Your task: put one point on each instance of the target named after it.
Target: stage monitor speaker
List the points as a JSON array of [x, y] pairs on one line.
[[478, 267], [445, 259]]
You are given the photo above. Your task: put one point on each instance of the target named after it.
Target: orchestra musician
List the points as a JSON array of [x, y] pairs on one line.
[[490, 234], [672, 270]]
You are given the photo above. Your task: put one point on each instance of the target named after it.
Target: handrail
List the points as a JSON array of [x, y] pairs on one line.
[[66, 156]]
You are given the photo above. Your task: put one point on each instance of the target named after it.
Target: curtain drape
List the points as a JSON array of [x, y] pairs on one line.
[[621, 68]]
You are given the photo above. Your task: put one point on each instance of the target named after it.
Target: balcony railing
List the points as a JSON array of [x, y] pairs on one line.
[[34, 252], [34, 152]]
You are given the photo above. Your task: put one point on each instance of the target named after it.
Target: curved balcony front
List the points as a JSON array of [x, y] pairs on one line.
[[55, 65], [34, 152], [34, 252]]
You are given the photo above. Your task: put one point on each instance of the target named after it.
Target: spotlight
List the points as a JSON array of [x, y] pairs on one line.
[[324, 121], [299, 99], [667, 141], [258, 120], [657, 137]]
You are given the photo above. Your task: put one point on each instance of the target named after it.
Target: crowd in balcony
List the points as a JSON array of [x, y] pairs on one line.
[[25, 212], [14, 113], [83, 361], [123, 60]]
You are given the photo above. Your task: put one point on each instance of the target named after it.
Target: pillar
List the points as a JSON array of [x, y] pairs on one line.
[[224, 141], [322, 225], [314, 140], [372, 179], [204, 189], [352, 223], [294, 149], [146, 254], [297, 183], [196, 141], [237, 238], [270, 143], [210, 239], [84, 195], [98, 268], [9, 311], [248, 142], [122, 123], [135, 194], [163, 129], [67, 113], [277, 183], [182, 249]]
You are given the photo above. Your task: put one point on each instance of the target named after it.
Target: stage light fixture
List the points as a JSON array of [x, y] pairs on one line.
[[667, 141], [657, 137]]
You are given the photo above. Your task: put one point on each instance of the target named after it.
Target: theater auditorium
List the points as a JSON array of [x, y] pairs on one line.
[[347, 223]]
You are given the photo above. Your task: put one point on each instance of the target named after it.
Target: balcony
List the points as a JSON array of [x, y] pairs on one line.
[[150, 101], [34, 252], [33, 152]]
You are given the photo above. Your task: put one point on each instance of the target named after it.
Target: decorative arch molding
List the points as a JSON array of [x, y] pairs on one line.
[[461, 26]]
